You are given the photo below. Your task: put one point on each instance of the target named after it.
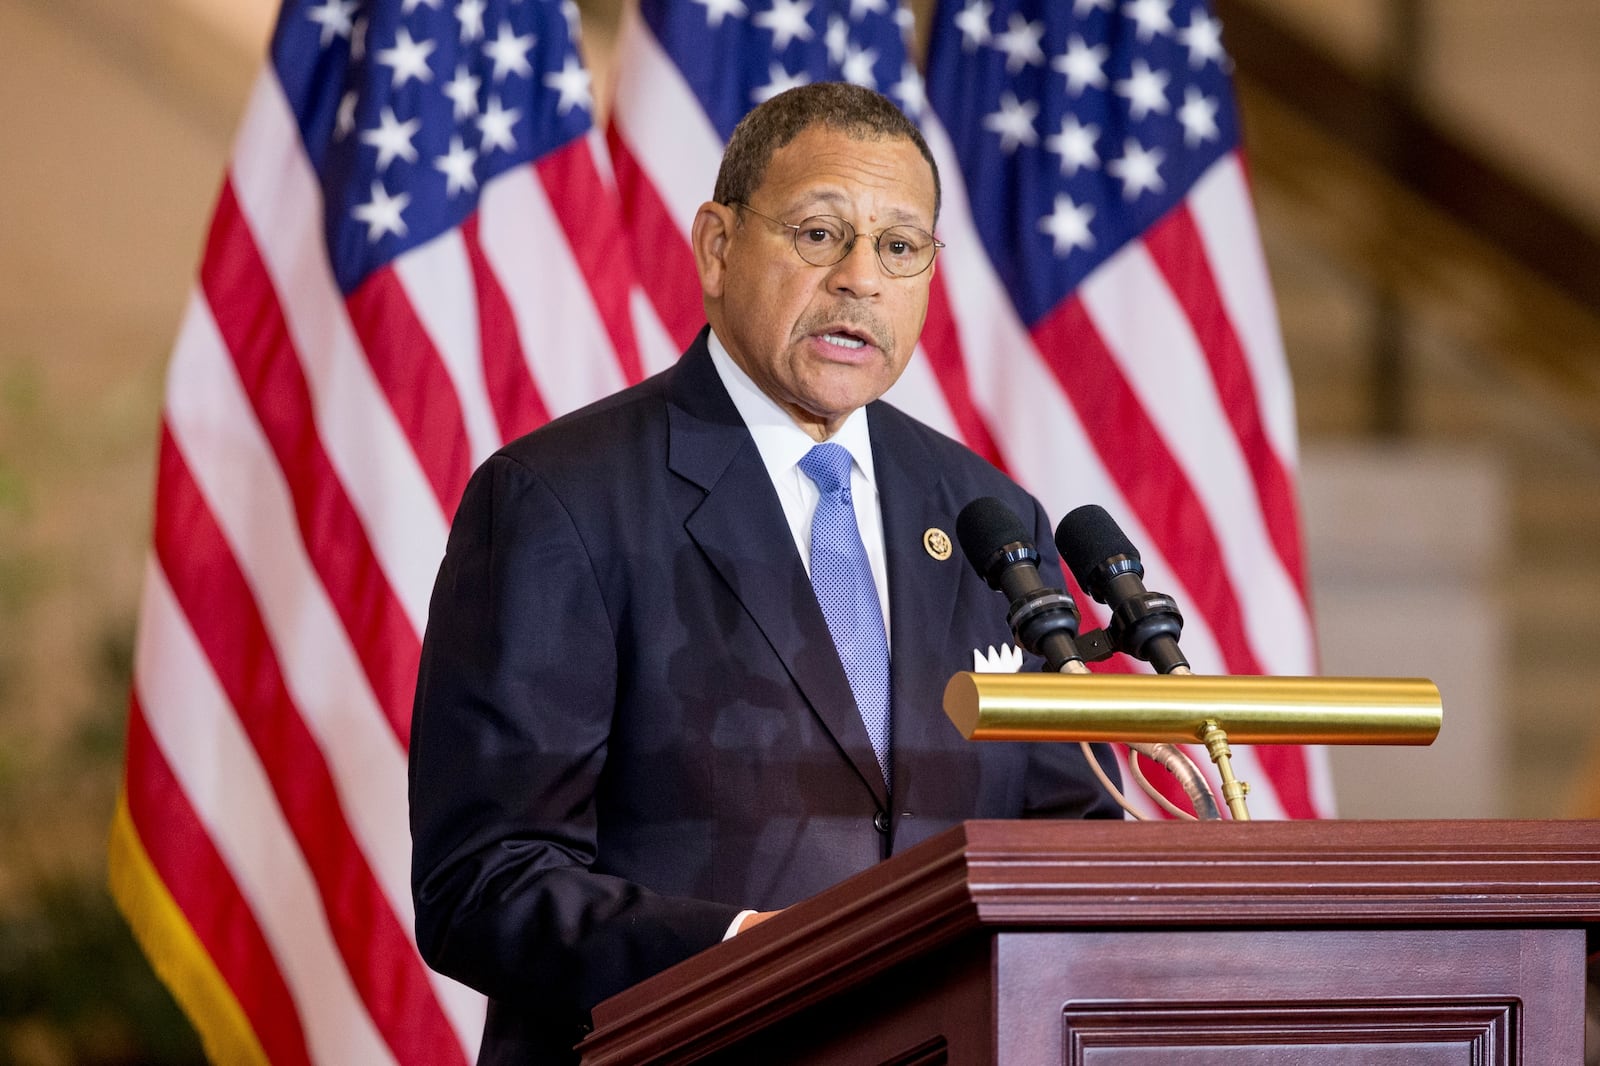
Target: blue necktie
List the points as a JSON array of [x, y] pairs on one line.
[[842, 578]]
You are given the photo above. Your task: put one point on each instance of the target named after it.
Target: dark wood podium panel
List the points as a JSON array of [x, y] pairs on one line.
[[1032, 943], [1418, 997]]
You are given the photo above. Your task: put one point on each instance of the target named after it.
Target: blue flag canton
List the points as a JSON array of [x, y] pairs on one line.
[[406, 107], [1078, 124], [735, 54]]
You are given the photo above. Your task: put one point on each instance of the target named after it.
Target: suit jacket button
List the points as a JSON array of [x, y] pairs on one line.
[[880, 821]]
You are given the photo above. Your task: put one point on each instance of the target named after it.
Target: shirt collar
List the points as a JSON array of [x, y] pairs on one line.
[[779, 439]]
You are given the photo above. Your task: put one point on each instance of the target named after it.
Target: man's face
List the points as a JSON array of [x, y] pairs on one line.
[[821, 341]]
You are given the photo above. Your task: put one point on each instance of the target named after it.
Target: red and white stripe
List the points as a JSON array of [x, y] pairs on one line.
[[665, 153]]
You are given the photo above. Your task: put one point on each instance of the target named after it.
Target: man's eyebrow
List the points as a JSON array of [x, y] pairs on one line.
[[837, 203]]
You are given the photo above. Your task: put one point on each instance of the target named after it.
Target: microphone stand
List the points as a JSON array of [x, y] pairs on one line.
[[1176, 763]]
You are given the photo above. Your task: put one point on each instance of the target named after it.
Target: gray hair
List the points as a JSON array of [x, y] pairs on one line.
[[850, 109]]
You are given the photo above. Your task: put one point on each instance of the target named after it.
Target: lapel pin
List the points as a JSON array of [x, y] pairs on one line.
[[937, 541]]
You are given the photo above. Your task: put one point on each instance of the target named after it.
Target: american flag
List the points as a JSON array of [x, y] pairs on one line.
[[414, 258], [422, 249], [1112, 310]]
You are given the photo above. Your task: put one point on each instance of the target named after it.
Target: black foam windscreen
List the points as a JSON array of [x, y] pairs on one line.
[[1086, 538], [983, 527]]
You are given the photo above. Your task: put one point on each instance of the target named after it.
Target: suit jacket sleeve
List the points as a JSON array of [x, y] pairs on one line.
[[514, 704]]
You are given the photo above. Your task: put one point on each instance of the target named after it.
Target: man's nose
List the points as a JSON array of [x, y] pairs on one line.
[[859, 272]]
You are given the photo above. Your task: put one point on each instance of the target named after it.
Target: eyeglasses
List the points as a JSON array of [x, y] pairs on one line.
[[823, 240]]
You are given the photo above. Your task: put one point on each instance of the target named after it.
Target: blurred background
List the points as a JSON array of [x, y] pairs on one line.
[[1427, 185]]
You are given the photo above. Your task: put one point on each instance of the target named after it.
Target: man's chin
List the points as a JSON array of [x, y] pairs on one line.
[[834, 407]]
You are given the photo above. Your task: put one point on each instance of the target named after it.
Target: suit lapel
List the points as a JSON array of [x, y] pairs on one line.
[[923, 589], [741, 529]]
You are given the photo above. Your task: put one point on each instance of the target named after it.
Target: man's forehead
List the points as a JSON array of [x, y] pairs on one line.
[[829, 165]]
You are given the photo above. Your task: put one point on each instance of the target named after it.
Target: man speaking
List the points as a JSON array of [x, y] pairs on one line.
[[686, 652]]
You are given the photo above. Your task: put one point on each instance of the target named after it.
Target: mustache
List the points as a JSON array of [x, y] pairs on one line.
[[858, 320]]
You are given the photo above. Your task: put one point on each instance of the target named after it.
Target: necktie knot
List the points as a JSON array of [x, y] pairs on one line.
[[828, 465]]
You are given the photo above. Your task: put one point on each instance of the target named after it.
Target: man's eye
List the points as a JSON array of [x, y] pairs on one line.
[[820, 229]]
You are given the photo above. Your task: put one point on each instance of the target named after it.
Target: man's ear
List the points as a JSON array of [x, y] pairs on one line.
[[712, 229]]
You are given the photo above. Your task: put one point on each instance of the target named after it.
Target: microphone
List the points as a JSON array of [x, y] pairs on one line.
[[1144, 624], [1043, 620]]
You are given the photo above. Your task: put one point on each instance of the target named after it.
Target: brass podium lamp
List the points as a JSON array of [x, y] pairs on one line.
[[1190, 708]]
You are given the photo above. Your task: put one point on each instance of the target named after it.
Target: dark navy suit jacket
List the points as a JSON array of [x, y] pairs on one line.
[[631, 721]]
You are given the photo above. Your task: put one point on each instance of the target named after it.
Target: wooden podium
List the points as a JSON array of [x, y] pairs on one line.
[[1112, 944]]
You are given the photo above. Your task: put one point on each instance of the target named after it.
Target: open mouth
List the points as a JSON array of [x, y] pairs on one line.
[[850, 334], [844, 340]]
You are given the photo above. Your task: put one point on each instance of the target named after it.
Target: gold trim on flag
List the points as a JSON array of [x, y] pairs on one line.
[[175, 951]]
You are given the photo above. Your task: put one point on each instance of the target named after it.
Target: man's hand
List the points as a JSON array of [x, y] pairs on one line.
[[752, 920]]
